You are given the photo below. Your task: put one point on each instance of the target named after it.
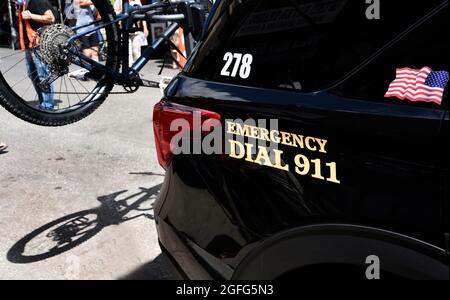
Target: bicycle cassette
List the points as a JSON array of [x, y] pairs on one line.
[[53, 48]]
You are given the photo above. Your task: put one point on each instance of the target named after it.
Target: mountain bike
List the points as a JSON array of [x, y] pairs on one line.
[[41, 74]]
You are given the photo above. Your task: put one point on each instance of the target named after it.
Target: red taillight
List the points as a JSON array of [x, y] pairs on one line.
[[164, 114]]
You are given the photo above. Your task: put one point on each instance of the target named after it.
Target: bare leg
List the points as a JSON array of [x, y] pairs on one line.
[[94, 53], [88, 52]]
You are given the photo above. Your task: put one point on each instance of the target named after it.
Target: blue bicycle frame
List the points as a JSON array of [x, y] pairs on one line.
[[128, 16]]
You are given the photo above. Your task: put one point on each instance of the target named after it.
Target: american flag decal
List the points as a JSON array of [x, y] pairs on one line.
[[419, 85]]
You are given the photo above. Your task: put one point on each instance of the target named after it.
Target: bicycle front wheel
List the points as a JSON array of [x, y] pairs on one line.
[[42, 83]]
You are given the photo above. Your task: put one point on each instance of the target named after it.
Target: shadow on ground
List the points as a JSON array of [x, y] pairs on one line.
[[147, 174], [72, 230], [158, 269]]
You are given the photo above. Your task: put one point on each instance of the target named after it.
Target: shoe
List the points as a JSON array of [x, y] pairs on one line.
[[46, 108], [3, 147], [79, 74]]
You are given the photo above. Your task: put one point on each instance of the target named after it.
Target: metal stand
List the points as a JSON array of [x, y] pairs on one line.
[[61, 15], [11, 24]]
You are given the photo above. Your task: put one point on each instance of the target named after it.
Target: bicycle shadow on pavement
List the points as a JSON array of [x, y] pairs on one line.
[[72, 230]]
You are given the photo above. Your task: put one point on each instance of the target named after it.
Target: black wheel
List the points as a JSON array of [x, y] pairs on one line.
[[40, 89]]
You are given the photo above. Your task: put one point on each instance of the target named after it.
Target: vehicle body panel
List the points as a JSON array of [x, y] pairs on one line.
[[392, 169]]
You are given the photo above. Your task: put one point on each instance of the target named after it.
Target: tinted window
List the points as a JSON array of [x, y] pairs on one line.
[[426, 46], [303, 45]]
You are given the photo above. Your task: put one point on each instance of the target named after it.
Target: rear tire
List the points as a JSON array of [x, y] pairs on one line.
[[19, 107]]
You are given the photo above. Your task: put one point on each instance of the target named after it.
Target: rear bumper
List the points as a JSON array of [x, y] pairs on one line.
[[186, 264], [182, 259]]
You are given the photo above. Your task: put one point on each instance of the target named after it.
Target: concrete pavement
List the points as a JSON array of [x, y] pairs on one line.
[[103, 174]]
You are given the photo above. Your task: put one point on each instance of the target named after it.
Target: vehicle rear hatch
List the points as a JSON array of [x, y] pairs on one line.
[[312, 77]]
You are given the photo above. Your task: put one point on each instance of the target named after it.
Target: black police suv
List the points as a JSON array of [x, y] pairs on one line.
[[333, 124]]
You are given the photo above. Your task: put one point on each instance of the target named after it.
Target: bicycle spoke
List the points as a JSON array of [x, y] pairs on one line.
[[70, 80], [12, 67], [22, 79], [29, 86], [65, 84], [60, 85], [11, 55], [78, 81]]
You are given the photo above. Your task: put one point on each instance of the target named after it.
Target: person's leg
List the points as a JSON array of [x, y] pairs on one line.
[[130, 52], [94, 44], [80, 74], [91, 47], [33, 74], [94, 53], [87, 52], [44, 72], [86, 45], [137, 48]]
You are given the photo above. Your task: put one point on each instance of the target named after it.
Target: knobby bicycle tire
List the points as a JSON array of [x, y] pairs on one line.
[[18, 106]]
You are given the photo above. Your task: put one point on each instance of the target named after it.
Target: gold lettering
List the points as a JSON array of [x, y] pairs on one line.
[[302, 165], [317, 169], [233, 147], [263, 156], [264, 134], [254, 132], [241, 130], [308, 141], [278, 161], [275, 136], [322, 144], [231, 127], [249, 157], [286, 138], [333, 175], [298, 141]]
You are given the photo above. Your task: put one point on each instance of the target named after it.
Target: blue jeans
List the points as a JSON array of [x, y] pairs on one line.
[[37, 71]]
